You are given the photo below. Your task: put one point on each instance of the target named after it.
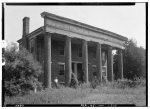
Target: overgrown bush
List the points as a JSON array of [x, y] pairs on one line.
[[20, 72], [74, 81], [126, 83], [94, 82], [134, 61]]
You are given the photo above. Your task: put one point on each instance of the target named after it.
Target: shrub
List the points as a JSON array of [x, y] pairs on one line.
[[134, 63], [20, 72], [128, 83], [140, 81], [74, 81], [94, 82]]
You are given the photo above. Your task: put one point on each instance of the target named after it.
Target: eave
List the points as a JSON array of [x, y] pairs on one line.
[[83, 25], [33, 33]]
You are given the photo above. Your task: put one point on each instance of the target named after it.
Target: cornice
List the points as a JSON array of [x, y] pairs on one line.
[[83, 25]]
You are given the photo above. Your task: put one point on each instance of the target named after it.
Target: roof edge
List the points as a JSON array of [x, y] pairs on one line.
[[33, 32], [74, 22]]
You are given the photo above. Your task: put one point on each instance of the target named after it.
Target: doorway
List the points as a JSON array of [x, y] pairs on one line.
[[77, 69]]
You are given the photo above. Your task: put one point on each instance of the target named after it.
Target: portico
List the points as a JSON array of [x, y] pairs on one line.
[[92, 46]]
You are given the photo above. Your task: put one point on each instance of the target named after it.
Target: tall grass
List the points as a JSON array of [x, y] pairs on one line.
[[64, 95], [49, 96]]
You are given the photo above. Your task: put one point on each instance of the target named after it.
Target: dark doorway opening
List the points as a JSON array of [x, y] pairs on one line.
[[73, 67], [80, 72], [77, 69]]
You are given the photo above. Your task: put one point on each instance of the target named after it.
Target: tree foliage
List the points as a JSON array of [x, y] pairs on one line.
[[134, 63], [21, 71]]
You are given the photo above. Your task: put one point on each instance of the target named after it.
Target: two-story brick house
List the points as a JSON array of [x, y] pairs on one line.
[[63, 46]]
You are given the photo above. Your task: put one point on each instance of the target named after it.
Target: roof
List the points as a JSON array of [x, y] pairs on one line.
[[33, 32], [74, 22], [67, 20]]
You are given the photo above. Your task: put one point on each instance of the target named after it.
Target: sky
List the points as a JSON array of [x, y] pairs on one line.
[[128, 21]]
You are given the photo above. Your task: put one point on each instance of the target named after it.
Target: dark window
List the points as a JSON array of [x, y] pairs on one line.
[[79, 52], [61, 50], [94, 53], [61, 69], [94, 74], [31, 46], [32, 49]]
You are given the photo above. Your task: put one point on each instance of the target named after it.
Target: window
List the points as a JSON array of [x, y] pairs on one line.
[[103, 56], [94, 54], [94, 74], [31, 46], [61, 50], [79, 52], [61, 68]]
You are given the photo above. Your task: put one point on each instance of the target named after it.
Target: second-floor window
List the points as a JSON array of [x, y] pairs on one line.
[[94, 54], [61, 50], [31, 46], [79, 52]]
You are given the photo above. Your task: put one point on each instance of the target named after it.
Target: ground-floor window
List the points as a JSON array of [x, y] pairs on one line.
[[61, 68]]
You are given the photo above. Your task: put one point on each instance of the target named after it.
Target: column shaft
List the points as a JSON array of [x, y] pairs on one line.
[[68, 65], [85, 60], [110, 65], [99, 61], [120, 64], [47, 60]]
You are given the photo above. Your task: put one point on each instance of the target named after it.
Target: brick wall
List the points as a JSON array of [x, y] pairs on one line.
[[57, 58]]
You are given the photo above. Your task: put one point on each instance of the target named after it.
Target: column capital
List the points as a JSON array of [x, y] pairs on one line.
[[47, 33], [68, 38], [84, 41], [97, 43]]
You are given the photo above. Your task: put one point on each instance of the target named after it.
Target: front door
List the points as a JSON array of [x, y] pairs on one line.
[[80, 72], [77, 69]]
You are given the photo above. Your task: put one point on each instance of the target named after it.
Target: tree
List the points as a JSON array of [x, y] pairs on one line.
[[21, 71], [133, 61]]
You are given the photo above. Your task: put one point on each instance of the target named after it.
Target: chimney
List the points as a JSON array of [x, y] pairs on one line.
[[25, 31], [25, 26]]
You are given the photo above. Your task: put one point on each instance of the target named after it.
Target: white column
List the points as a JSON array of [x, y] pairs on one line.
[[85, 60], [120, 64], [110, 64], [99, 61], [68, 62], [47, 60]]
